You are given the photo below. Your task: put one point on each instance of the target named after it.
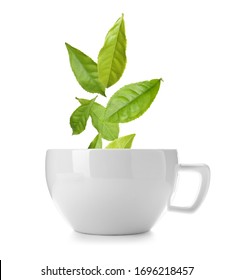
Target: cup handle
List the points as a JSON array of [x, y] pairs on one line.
[[204, 171]]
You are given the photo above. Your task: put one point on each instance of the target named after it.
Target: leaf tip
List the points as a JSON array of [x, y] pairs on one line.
[[94, 98], [103, 93]]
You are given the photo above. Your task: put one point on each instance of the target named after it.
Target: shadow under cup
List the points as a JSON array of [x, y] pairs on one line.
[[111, 192]]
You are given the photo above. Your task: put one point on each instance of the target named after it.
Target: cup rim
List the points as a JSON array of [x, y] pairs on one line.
[[76, 149]]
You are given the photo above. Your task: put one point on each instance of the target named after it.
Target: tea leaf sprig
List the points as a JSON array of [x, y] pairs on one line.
[[125, 105]]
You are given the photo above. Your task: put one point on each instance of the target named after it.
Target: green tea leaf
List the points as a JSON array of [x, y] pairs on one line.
[[96, 143], [131, 101], [85, 71], [79, 117], [124, 142], [108, 131], [112, 56]]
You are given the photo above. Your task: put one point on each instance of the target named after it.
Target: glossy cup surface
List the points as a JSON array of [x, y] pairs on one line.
[[111, 192]]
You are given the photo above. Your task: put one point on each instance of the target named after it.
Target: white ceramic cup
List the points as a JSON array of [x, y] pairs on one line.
[[113, 192]]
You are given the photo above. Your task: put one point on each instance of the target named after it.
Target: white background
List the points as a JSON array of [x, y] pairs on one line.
[[187, 43]]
